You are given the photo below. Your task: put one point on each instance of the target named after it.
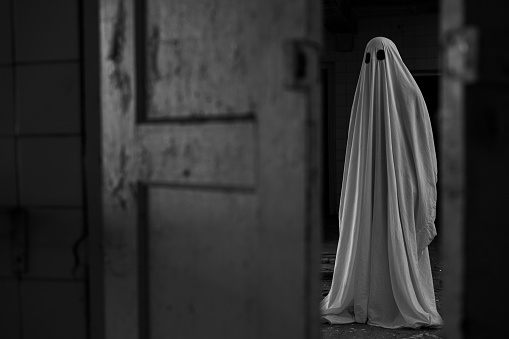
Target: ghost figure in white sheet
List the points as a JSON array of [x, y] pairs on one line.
[[382, 274]]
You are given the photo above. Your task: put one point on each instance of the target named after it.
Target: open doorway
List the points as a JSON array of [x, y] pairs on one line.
[[348, 26], [428, 82], [330, 197]]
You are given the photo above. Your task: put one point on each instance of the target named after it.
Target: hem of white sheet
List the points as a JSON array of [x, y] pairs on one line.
[[335, 319]]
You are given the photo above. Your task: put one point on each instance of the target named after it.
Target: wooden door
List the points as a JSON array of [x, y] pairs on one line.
[[210, 161], [475, 163]]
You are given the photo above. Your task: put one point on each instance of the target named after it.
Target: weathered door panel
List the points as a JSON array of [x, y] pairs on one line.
[[211, 153], [201, 243], [209, 168], [201, 57]]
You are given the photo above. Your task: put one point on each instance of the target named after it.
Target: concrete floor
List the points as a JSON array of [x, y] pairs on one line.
[[354, 331]]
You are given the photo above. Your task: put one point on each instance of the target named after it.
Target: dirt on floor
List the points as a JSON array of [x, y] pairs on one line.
[[356, 330]]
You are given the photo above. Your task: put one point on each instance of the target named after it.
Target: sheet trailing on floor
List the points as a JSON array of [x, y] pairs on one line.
[[382, 273]]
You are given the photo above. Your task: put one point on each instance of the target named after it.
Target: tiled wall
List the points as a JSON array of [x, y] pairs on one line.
[[41, 164], [417, 40]]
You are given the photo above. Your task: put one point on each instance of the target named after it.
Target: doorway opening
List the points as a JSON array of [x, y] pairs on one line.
[[348, 26], [330, 181], [428, 82]]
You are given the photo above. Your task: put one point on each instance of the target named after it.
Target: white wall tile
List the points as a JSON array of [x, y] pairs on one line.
[[50, 171], [420, 41], [362, 41], [409, 53], [410, 64], [7, 172], [341, 136], [354, 64], [46, 30], [433, 29], [397, 39], [431, 41], [341, 99], [421, 29], [342, 112], [384, 30], [356, 56], [409, 29], [49, 98], [362, 23], [421, 64], [6, 101], [9, 309], [353, 76], [349, 100], [340, 66], [409, 41], [54, 310], [350, 89], [386, 20], [420, 52], [341, 78], [397, 20], [424, 18], [432, 52], [5, 248], [5, 32], [341, 89], [405, 20], [432, 63], [53, 234]]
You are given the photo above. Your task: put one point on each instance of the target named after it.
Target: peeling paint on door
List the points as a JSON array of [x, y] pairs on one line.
[[119, 77]]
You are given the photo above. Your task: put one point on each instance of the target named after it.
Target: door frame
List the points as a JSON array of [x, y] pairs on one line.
[[90, 49], [453, 174]]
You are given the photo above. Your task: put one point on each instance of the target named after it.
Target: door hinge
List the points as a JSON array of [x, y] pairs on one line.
[[302, 64]]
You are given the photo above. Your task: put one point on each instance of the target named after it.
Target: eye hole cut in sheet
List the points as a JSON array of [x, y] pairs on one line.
[[380, 55]]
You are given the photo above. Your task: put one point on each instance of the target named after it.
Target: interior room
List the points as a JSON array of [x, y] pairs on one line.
[[413, 27], [348, 25], [174, 168]]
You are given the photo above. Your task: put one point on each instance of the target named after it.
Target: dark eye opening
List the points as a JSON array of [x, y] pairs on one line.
[[367, 58], [380, 54]]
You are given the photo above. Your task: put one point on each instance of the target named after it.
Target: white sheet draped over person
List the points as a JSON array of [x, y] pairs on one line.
[[382, 275]]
